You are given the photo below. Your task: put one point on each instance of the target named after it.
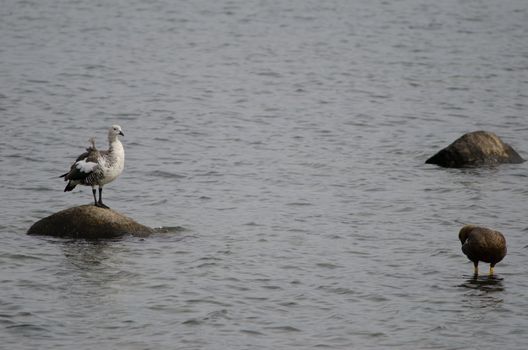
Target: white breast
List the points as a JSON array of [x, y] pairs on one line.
[[114, 163]]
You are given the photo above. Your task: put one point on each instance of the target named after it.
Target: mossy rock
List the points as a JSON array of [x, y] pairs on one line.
[[89, 222], [478, 148]]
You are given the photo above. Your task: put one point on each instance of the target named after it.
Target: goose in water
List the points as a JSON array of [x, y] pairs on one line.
[[97, 168], [482, 244]]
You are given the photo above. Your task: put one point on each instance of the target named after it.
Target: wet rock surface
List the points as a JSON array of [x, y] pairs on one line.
[[88, 221], [474, 149]]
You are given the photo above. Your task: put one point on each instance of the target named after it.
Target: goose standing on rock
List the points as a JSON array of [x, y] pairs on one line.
[[97, 168], [482, 244]]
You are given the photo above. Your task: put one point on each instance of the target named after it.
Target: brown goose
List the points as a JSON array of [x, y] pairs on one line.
[[482, 244]]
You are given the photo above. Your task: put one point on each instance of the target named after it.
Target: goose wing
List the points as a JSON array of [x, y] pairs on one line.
[[84, 166]]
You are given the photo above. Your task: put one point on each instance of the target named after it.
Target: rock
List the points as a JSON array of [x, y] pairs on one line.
[[88, 221], [475, 149]]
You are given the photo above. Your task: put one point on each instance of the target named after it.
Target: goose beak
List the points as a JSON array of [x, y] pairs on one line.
[[121, 133]]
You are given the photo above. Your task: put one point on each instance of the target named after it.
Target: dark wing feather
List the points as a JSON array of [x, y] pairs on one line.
[[80, 169], [82, 156], [466, 249]]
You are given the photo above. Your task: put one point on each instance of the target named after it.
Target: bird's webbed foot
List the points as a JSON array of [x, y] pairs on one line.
[[102, 205]]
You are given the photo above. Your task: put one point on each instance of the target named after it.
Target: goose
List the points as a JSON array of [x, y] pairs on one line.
[[482, 244], [97, 168]]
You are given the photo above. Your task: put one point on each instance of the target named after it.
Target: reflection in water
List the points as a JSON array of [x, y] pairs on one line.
[[86, 255], [484, 283], [484, 294], [96, 267]]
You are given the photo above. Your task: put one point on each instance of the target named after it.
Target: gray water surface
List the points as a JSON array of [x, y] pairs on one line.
[[280, 146]]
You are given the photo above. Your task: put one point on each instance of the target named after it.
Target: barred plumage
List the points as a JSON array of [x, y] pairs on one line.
[[97, 168]]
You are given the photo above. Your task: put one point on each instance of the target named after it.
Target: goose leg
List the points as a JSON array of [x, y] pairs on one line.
[[100, 202], [475, 271], [491, 269], [95, 198]]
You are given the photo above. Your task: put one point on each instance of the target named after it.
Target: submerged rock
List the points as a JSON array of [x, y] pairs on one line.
[[88, 221], [475, 149]]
